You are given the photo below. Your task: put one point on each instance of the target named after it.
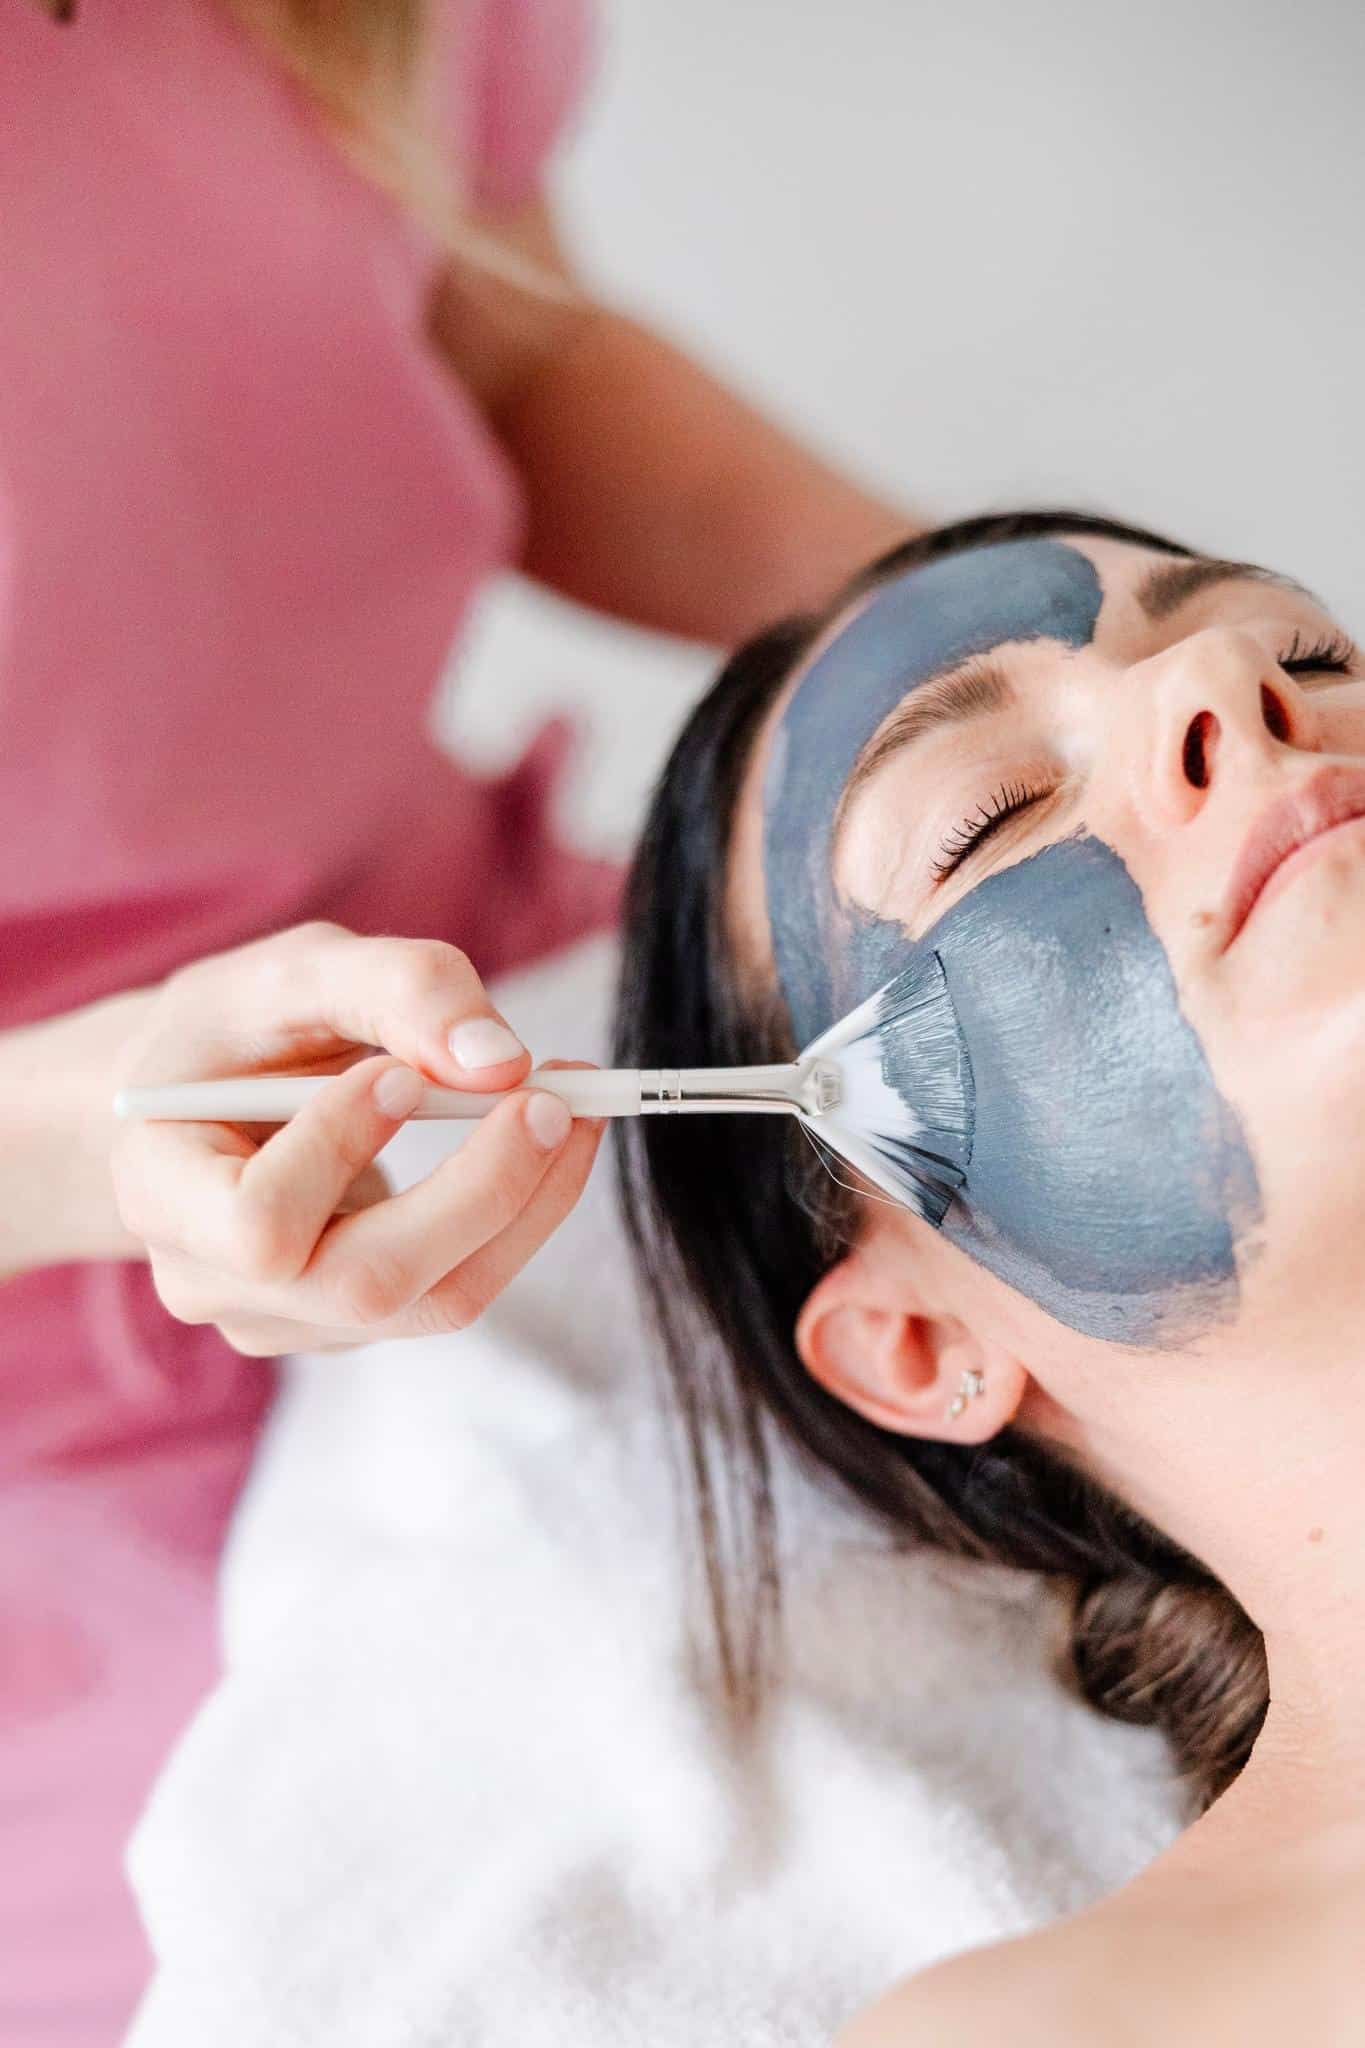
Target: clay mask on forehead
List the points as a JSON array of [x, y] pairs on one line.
[[1108, 1179]]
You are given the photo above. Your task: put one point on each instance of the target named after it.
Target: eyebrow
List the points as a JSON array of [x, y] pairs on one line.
[[979, 686], [1170, 584], [971, 689]]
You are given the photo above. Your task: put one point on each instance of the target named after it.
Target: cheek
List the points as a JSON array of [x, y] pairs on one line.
[[1109, 1181]]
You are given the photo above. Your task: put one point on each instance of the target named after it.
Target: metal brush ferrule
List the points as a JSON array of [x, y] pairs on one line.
[[786, 1090]]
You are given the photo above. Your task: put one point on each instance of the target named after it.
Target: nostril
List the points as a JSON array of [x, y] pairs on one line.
[[1273, 712], [1198, 735]]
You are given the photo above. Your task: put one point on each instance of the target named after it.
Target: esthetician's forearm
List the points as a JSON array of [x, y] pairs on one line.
[[56, 1196], [659, 495]]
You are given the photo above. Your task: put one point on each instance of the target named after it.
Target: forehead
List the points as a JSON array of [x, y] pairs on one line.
[[876, 650]]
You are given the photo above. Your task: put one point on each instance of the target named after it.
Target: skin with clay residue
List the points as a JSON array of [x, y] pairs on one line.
[[1067, 1005]]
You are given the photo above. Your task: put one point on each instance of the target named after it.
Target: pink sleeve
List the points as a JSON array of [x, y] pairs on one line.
[[515, 72]]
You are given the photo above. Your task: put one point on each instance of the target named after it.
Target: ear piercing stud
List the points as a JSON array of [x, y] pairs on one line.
[[973, 1383]]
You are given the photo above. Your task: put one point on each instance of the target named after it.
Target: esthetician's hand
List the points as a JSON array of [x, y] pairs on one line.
[[288, 1237]]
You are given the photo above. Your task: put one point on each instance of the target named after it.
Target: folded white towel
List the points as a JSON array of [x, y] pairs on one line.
[[459, 1785]]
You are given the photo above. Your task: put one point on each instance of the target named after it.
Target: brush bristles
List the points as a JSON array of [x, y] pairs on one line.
[[905, 1116]]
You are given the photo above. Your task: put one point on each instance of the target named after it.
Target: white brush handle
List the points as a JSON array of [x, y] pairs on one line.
[[275, 1098]]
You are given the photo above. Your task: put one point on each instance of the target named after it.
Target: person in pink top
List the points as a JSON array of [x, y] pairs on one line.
[[290, 365]]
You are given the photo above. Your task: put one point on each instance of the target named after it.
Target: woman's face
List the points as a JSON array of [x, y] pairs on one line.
[[1080, 765]]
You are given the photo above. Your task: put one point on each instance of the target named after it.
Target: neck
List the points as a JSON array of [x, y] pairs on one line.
[[1278, 1514], [1297, 1809], [1308, 1766]]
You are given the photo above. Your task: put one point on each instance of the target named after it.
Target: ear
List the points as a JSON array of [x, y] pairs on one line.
[[871, 1341]]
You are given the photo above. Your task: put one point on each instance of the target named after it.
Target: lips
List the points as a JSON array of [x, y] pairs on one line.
[[1331, 797]]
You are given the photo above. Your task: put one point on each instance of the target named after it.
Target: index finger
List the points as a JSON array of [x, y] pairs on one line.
[[295, 993]]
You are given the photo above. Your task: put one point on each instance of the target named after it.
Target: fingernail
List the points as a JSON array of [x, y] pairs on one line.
[[548, 1119], [398, 1091], [482, 1042]]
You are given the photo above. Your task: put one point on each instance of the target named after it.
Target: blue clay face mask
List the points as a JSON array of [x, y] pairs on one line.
[[1109, 1180]]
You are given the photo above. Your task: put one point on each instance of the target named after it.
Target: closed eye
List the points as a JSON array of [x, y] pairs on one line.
[[1329, 654], [1006, 803]]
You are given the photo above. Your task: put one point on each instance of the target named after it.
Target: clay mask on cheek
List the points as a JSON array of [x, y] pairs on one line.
[[1108, 1179]]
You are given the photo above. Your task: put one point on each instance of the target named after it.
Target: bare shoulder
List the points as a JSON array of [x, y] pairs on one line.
[[1257, 1964], [1087, 1981], [1029, 1992]]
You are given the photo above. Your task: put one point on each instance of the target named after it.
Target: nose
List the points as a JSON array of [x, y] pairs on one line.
[[1215, 706]]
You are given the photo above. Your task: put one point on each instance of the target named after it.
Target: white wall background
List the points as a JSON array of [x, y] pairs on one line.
[[987, 252]]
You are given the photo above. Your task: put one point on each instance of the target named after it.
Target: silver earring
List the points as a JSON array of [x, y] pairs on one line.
[[973, 1383]]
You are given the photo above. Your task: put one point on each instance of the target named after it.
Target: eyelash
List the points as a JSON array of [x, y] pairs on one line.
[[1331, 653], [1013, 797]]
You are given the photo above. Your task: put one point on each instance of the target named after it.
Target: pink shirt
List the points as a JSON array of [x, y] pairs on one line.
[[243, 509]]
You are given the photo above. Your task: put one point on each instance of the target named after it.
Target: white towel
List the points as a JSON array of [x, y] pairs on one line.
[[459, 1785]]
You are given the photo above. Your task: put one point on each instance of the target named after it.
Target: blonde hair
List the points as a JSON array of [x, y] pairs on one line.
[[370, 68], [367, 64]]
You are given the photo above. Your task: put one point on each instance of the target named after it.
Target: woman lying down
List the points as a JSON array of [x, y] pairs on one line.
[[1123, 786]]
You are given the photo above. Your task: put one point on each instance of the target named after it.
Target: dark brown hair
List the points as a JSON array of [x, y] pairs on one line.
[[733, 1222]]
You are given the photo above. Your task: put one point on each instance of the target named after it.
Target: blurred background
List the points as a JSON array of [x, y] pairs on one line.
[[991, 254]]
